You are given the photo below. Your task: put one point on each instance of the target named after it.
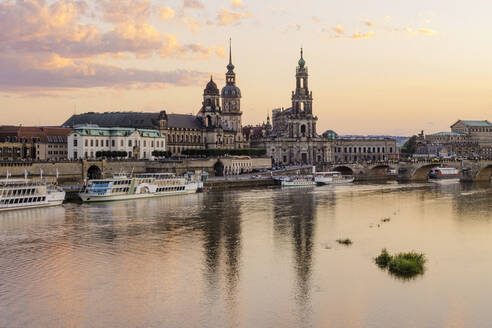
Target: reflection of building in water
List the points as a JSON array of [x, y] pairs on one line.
[[220, 222], [294, 218]]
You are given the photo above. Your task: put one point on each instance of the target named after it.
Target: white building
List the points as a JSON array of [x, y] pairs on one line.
[[90, 141]]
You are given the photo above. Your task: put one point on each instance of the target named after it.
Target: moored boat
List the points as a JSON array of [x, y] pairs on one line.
[[335, 177], [121, 187], [444, 174], [298, 181], [18, 194]]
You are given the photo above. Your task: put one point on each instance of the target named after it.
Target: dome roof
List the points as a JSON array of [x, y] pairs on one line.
[[230, 91], [211, 88], [302, 62]]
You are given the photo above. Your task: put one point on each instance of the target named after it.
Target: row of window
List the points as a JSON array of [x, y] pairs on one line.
[[184, 138], [362, 150], [22, 200], [170, 189], [92, 142], [18, 192]]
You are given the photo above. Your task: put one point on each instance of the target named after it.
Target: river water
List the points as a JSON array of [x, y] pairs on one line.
[[252, 258]]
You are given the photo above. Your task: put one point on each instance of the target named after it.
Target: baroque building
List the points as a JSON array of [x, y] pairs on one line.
[[292, 138], [216, 125], [467, 138]]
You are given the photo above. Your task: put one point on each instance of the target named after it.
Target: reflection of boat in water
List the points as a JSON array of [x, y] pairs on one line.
[[148, 185], [23, 193], [444, 174], [335, 177], [298, 181]]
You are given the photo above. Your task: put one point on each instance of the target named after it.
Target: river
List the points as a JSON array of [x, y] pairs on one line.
[[252, 258]]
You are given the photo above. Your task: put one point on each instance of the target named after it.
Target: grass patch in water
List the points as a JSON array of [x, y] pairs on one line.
[[345, 241], [402, 264]]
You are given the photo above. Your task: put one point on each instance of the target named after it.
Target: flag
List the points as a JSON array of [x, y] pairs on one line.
[[41, 173], [57, 174], [8, 173], [25, 174]]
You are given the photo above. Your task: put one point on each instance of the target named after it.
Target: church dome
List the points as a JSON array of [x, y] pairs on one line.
[[302, 62], [211, 88], [231, 91]]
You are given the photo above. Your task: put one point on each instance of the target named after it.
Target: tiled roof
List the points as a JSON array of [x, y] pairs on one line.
[[483, 123], [438, 134], [133, 120]]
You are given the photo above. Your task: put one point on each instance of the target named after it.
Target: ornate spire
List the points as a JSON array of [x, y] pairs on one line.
[[302, 62], [230, 67]]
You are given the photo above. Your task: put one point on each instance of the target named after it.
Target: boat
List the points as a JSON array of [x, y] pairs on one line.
[[122, 187], [298, 181], [335, 177], [18, 194], [444, 174]]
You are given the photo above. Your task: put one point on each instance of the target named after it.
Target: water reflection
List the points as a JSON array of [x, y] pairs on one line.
[[294, 219], [249, 258]]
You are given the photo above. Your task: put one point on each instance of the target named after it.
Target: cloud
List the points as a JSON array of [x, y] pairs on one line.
[[368, 22], [195, 4], [237, 3], [426, 31], [228, 17], [276, 10], [338, 29], [315, 19], [124, 11], [367, 35], [166, 13], [81, 74], [50, 45], [192, 24]]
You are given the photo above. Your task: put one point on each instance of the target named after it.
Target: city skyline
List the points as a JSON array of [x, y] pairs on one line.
[[374, 69]]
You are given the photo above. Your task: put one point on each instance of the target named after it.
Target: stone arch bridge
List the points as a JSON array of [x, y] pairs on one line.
[[411, 171]]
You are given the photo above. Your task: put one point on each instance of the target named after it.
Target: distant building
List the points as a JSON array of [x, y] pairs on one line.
[[216, 125], [470, 139], [89, 141], [364, 149], [38, 143], [293, 138]]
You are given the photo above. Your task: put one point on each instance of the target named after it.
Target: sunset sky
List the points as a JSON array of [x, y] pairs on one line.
[[376, 67]]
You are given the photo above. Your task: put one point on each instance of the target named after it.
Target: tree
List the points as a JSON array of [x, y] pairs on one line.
[[410, 146]]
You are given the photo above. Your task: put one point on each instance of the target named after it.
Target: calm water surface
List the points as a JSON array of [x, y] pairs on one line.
[[254, 258]]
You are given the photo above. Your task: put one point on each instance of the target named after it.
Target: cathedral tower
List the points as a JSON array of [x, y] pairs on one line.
[[302, 98], [231, 99], [210, 111]]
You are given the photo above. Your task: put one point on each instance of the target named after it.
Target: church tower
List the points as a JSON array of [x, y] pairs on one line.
[[231, 99], [210, 111], [302, 98]]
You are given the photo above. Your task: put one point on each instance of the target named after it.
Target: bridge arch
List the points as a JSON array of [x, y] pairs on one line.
[[94, 172], [345, 170], [380, 169], [219, 168], [421, 173], [484, 174]]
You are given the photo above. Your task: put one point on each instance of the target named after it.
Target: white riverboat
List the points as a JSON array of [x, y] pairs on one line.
[[147, 185], [444, 174], [18, 194], [335, 177], [298, 181]]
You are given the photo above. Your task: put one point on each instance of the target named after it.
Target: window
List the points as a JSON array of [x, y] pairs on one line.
[[92, 143], [107, 143], [145, 144], [97, 142], [86, 142], [152, 144], [112, 143], [129, 143], [75, 142], [121, 143]]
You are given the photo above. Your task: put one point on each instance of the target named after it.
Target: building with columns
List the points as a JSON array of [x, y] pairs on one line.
[[292, 138]]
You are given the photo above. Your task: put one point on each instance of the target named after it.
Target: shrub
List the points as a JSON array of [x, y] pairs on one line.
[[404, 265], [383, 259]]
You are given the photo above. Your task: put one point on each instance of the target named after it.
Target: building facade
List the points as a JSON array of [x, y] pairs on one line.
[[292, 138], [90, 141], [38, 143], [467, 138], [354, 150], [216, 125]]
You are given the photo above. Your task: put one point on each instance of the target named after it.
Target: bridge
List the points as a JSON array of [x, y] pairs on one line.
[[474, 170]]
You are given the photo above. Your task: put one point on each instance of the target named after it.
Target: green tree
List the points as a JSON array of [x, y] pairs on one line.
[[410, 146]]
